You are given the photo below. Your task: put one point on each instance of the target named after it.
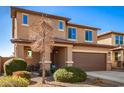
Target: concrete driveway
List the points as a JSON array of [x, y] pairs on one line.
[[108, 75]]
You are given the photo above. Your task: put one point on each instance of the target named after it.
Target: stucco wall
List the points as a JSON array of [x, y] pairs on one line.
[[23, 31], [107, 39], [31, 60], [90, 49]]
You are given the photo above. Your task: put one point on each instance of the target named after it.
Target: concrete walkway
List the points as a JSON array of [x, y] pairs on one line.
[[108, 75]]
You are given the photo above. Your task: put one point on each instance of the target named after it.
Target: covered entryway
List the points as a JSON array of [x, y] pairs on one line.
[[58, 56], [90, 61], [118, 58]]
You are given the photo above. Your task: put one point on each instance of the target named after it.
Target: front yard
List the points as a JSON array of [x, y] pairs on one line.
[[90, 82], [17, 75]]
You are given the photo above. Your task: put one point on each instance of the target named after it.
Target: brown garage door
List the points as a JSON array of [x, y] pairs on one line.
[[89, 61]]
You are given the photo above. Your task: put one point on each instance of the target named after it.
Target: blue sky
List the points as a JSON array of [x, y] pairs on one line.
[[106, 18]]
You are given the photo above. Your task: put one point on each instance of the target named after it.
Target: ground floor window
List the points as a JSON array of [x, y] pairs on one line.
[[117, 56], [29, 53]]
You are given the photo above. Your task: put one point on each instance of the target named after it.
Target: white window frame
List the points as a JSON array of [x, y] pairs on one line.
[[27, 19], [76, 33], [63, 25]]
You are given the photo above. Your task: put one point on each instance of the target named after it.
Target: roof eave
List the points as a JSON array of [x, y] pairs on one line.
[[90, 27], [14, 9]]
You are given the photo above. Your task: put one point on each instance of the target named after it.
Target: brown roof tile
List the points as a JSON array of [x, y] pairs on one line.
[[110, 32], [63, 41], [84, 26], [15, 9]]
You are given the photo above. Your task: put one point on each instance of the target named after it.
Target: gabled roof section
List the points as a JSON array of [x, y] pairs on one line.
[[84, 26], [110, 32], [15, 9]]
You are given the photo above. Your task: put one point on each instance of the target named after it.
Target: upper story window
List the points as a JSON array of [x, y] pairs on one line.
[[61, 25], [88, 36], [118, 39], [25, 19], [72, 33]]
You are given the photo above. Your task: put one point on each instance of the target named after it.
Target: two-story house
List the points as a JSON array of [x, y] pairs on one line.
[[75, 44], [116, 39]]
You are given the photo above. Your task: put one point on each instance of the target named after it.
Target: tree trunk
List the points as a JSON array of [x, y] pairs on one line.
[[43, 59], [43, 74], [43, 68]]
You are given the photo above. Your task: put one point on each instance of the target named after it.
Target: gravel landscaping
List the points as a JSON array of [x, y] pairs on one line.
[[90, 82]]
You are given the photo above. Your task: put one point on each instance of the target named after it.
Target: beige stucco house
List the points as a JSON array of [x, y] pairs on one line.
[[75, 45], [117, 53]]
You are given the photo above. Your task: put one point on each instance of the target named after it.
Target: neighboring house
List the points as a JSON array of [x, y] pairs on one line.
[[75, 44], [116, 39]]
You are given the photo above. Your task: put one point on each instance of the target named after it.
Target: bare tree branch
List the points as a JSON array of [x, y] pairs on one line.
[[42, 35]]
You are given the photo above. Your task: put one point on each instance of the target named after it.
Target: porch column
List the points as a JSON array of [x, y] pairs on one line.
[[114, 64], [109, 61], [69, 61], [15, 51], [47, 59], [19, 51], [122, 58]]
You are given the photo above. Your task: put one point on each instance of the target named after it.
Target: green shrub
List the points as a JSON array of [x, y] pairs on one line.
[[13, 82], [70, 74], [14, 64], [23, 74]]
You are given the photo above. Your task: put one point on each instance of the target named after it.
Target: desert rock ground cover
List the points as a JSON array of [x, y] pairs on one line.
[[90, 82]]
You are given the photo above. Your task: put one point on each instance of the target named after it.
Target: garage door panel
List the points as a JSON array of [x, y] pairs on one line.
[[89, 61]]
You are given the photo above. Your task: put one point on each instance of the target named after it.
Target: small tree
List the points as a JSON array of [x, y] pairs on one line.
[[42, 36]]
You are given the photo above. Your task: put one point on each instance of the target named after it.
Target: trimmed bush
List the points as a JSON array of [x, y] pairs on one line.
[[14, 64], [23, 74], [13, 82], [70, 74]]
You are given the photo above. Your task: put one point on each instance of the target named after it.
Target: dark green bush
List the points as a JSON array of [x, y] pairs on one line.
[[70, 74], [23, 74], [13, 82], [14, 64]]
